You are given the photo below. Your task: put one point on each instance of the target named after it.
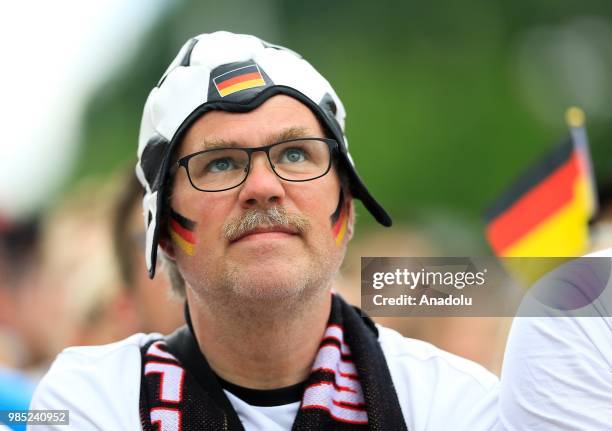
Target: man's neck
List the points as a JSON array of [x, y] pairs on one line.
[[260, 348]]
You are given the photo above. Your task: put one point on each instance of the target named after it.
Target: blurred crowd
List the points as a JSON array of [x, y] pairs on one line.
[[75, 275]]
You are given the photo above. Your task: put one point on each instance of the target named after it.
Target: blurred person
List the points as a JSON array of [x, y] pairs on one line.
[[568, 349], [19, 282], [557, 366], [150, 300], [19, 345], [16, 391], [80, 268], [601, 227], [249, 191]]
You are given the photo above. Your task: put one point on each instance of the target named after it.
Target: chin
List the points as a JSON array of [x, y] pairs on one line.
[[267, 282], [294, 281]]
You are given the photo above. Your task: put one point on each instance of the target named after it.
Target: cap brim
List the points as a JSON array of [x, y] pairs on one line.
[[361, 192]]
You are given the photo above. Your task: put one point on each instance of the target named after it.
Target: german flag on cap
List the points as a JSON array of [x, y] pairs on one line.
[[241, 78]]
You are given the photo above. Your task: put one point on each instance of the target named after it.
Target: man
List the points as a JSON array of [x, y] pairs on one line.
[[249, 188], [20, 345], [558, 361]]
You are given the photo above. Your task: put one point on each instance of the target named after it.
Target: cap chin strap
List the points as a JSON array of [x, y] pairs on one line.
[[150, 202]]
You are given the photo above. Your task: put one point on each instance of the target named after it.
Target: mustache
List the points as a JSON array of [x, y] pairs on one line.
[[269, 217]]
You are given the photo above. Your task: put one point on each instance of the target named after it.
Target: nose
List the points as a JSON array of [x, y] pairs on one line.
[[262, 188]]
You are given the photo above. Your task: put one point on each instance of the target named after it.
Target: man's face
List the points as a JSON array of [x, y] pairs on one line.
[[261, 265]]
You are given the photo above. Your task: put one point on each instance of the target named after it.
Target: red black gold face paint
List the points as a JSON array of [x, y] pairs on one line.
[[181, 229], [339, 220]]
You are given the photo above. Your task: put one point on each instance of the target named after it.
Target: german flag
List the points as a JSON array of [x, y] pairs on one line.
[[241, 78], [339, 220], [181, 232], [545, 213]]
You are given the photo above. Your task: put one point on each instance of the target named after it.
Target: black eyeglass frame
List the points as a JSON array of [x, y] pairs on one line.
[[332, 146]]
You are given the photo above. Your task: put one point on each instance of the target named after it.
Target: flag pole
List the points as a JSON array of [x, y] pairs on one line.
[[575, 119]]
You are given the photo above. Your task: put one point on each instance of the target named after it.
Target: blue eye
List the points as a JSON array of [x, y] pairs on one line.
[[221, 165], [293, 155]]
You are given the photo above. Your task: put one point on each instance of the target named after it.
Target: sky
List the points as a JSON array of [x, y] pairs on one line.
[[53, 54]]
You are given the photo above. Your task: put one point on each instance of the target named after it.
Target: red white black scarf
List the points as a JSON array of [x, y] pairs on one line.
[[349, 387]]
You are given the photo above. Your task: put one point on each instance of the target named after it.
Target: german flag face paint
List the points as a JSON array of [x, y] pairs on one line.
[[339, 220], [181, 229]]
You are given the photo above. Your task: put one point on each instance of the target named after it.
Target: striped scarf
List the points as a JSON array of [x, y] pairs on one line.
[[349, 387]]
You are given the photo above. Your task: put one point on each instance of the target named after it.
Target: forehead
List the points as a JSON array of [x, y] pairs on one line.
[[254, 128]]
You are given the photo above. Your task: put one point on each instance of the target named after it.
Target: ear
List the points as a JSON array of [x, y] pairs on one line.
[[167, 246], [350, 207]]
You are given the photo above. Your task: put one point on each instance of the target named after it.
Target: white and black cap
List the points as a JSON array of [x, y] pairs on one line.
[[235, 73]]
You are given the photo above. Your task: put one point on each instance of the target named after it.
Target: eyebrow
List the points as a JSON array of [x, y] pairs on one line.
[[289, 133]]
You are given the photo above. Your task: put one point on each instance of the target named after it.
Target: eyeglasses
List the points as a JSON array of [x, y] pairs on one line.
[[219, 169]]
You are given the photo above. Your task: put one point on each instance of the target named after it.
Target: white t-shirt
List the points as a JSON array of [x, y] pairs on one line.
[[100, 386], [275, 418], [557, 372]]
